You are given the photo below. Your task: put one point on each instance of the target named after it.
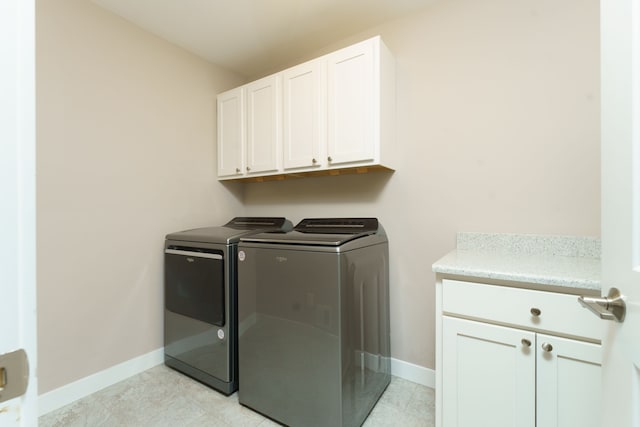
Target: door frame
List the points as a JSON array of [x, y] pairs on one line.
[[18, 190]]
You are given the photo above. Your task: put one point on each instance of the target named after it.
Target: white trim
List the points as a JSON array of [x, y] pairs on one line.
[[18, 321], [414, 373], [71, 392]]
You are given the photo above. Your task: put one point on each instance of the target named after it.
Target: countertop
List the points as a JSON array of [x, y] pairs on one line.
[[556, 261]]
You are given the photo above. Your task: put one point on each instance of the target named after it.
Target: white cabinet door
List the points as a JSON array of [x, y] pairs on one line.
[[231, 132], [352, 103], [488, 375], [334, 112], [569, 382], [304, 121], [264, 125]]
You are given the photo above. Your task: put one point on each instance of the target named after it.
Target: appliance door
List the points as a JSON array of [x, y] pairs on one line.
[[194, 283], [196, 336]]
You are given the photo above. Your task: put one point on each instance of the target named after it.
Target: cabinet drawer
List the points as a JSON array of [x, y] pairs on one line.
[[558, 313]]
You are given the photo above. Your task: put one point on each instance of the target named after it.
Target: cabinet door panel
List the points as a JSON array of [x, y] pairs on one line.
[[488, 375], [263, 125], [231, 136], [304, 121], [569, 383], [351, 109]]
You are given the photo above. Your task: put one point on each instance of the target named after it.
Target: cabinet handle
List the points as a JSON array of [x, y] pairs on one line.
[[547, 347], [237, 170], [525, 342], [329, 158], [314, 161], [248, 168], [535, 312]]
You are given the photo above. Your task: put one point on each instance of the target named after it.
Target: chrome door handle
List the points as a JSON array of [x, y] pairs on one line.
[[611, 307]]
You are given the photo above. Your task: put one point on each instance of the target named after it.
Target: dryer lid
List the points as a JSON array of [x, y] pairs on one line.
[[233, 230], [258, 223]]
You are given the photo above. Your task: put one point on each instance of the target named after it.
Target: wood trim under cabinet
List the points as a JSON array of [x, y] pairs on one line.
[[326, 172]]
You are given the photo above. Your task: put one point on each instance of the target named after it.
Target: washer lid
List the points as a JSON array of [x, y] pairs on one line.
[[233, 230], [320, 232], [337, 225]]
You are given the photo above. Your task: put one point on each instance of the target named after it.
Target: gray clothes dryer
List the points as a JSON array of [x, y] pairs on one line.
[[200, 283], [314, 347]]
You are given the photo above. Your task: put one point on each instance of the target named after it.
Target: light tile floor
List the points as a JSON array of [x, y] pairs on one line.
[[161, 396]]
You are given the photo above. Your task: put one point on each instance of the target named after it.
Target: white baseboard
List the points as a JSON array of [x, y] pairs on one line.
[[415, 373], [71, 392]]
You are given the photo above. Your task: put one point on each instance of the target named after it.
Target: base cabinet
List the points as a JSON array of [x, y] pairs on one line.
[[488, 375], [568, 382], [502, 370]]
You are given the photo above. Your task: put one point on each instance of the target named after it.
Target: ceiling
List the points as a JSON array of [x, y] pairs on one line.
[[254, 36]]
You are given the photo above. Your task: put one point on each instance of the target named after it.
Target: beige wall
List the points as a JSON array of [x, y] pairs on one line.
[[125, 154], [498, 126], [498, 123]]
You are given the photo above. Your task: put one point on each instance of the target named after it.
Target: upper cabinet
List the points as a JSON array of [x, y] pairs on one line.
[[304, 117], [249, 130], [264, 141], [352, 98], [334, 114], [231, 130]]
